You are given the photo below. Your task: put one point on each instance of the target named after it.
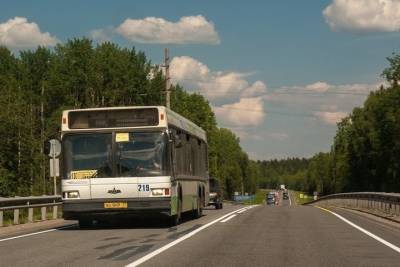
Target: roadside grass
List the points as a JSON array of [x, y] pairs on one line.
[[258, 198], [301, 200]]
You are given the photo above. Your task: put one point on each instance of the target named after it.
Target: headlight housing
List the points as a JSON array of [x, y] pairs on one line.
[[71, 194], [160, 192]]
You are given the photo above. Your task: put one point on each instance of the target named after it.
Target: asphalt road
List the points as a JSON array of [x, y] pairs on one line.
[[283, 235]]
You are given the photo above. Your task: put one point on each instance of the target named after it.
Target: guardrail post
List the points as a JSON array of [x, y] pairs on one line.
[[16, 216], [1, 218], [55, 212], [30, 215], [43, 213]]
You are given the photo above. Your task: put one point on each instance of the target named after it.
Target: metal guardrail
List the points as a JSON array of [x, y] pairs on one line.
[[372, 202], [30, 203]]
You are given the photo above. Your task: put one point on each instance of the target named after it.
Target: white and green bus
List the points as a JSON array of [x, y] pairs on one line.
[[132, 160]]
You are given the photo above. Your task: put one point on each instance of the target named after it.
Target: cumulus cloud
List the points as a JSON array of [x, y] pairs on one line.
[[323, 101], [18, 33], [191, 29], [365, 15], [102, 35], [330, 117], [318, 87], [246, 112], [215, 85]]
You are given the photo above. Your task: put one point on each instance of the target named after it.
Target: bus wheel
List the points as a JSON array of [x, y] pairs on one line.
[[175, 219], [85, 223], [198, 212]]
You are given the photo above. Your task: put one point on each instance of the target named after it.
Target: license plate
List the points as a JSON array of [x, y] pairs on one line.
[[116, 205]]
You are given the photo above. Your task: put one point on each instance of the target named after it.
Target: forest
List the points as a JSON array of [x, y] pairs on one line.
[[365, 152], [36, 85]]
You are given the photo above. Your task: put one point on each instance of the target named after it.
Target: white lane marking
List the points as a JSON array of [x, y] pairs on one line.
[[377, 238], [177, 241], [230, 217], [242, 211], [37, 233]]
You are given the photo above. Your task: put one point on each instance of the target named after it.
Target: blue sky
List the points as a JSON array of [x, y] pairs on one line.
[[280, 74]]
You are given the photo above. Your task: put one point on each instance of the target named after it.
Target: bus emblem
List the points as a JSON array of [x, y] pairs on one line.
[[114, 191]]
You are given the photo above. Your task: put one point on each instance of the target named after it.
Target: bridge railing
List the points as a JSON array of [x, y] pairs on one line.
[[387, 204], [17, 204]]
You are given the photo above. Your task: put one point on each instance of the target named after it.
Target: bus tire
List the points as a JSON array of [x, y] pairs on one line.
[[175, 219], [198, 212]]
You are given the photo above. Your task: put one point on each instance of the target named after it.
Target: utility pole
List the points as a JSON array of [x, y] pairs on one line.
[[167, 79], [42, 140]]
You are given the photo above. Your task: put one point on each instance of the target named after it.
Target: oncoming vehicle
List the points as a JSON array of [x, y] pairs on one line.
[[285, 194], [132, 160], [215, 194]]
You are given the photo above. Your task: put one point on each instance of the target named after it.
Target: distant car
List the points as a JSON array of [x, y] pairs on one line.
[[277, 198], [215, 194], [285, 195], [271, 198]]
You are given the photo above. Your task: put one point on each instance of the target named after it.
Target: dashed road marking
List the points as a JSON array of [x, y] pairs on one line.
[[230, 217], [383, 241]]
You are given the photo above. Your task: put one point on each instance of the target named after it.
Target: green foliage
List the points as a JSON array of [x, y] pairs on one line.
[[36, 86]]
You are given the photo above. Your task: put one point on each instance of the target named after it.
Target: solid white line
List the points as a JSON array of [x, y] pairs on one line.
[[242, 211], [36, 233], [227, 219], [177, 241], [383, 241]]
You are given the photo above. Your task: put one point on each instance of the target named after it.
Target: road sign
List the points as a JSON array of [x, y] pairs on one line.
[[55, 148], [54, 167]]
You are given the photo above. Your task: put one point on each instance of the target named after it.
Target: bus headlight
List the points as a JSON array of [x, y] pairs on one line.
[[72, 194]]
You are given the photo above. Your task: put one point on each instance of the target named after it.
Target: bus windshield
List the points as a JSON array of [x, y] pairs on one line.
[[101, 155]]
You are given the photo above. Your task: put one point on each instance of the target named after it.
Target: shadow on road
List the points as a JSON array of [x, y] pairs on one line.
[[131, 222]]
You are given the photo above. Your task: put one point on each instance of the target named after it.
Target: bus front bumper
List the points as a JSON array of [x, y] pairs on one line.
[[73, 209]]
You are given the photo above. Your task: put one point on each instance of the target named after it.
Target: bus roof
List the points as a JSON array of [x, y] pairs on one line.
[[166, 117]]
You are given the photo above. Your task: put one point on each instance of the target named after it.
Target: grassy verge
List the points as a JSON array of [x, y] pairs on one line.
[[302, 197], [259, 197]]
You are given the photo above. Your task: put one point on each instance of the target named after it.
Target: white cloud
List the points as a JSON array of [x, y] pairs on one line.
[[323, 101], [365, 15], [18, 33], [102, 35], [258, 88], [318, 87], [246, 112], [330, 117], [191, 29], [215, 85]]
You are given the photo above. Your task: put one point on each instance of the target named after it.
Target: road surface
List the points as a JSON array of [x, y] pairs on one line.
[[283, 235]]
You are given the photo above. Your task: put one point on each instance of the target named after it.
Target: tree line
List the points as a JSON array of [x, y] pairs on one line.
[[364, 156], [36, 85]]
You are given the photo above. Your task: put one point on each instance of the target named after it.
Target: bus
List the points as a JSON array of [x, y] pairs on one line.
[[132, 160]]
